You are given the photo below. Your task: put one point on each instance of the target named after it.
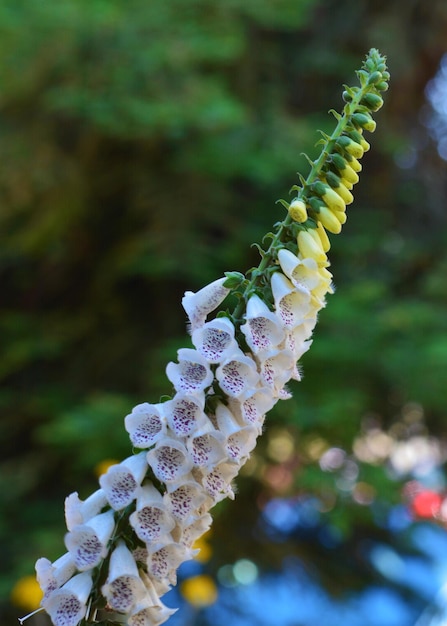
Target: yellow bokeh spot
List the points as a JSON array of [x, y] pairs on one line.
[[102, 467], [200, 591], [26, 593], [205, 550]]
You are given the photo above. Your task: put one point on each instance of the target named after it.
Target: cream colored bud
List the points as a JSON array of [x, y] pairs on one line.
[[344, 194], [309, 247], [329, 220], [325, 242], [333, 200], [298, 211]]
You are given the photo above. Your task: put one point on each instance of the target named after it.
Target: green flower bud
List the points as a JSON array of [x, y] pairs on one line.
[[363, 120], [234, 279], [298, 211], [382, 86], [354, 134], [374, 78], [372, 101], [338, 161]]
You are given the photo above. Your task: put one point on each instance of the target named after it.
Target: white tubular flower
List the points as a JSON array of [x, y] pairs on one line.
[[239, 440], [162, 562], [207, 449], [51, 576], [251, 411], [169, 460], [215, 340], [191, 374], [123, 588], [185, 415], [277, 369], [262, 329], [145, 425], [237, 375], [195, 530], [151, 520], [146, 613], [122, 481], [240, 444], [292, 303], [68, 605], [301, 272], [183, 501], [80, 511], [88, 542], [217, 482], [198, 305]]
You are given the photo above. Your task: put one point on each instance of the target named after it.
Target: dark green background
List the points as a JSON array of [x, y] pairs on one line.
[[143, 145]]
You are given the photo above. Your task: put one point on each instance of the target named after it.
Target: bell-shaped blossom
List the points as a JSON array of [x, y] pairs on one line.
[[149, 613], [51, 576], [68, 605], [122, 481], [237, 375], [191, 374], [151, 519], [215, 340], [123, 588], [196, 529], [251, 410], [145, 425], [185, 415], [198, 305], [184, 500], [277, 369], [206, 449], [301, 272], [262, 329], [162, 562], [88, 542], [78, 511], [217, 482], [241, 443], [292, 304], [239, 440], [169, 460]]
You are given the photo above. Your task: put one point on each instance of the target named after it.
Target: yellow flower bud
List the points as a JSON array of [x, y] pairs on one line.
[[365, 145], [349, 174], [325, 242], [355, 164], [310, 248], [342, 217], [298, 211], [351, 147], [329, 220], [347, 183], [333, 200], [344, 194]]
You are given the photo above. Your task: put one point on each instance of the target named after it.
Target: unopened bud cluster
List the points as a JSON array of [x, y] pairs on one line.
[[125, 542]]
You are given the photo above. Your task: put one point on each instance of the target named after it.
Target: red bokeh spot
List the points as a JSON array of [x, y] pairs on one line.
[[426, 504]]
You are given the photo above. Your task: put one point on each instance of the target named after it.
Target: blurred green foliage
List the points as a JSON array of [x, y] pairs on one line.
[[142, 148]]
